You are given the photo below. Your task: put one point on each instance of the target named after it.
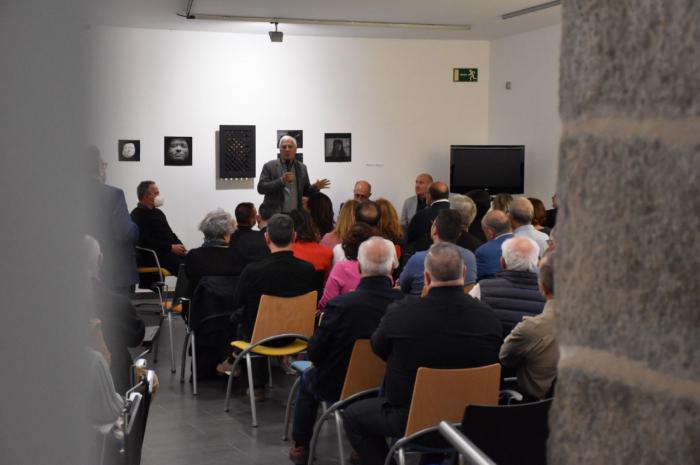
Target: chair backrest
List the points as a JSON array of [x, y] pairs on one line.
[[512, 434], [285, 315], [365, 370], [441, 394]]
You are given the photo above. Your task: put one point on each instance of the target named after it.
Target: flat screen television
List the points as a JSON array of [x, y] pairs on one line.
[[494, 168]]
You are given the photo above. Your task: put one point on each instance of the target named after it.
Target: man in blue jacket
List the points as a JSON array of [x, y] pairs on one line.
[[496, 226]]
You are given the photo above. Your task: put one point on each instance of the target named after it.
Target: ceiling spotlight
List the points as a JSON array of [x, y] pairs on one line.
[[276, 36]]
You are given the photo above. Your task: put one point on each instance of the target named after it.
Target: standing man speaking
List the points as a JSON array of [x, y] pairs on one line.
[[284, 181]]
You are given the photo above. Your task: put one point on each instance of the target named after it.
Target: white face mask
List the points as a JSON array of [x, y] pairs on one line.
[[158, 201]]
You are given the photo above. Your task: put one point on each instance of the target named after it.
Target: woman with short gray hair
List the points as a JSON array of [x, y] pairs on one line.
[[217, 226]]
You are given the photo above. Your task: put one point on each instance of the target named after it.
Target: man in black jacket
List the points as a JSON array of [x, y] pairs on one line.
[[246, 244], [347, 318], [445, 329], [418, 235]]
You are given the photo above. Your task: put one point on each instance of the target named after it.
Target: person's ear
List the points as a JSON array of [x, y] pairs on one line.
[[503, 263], [427, 279], [464, 272], [267, 239]]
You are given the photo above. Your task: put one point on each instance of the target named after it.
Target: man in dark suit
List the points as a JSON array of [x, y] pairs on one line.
[[418, 236], [111, 225], [445, 329], [347, 318], [247, 245], [497, 228], [284, 181], [280, 274]]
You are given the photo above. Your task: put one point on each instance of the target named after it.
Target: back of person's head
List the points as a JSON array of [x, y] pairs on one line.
[[217, 224], [321, 210], [93, 256], [367, 212], [280, 229], [443, 262], [521, 211], [466, 208], [265, 212], [539, 216], [520, 253], [552, 240], [346, 218], [142, 189], [377, 257], [448, 225], [389, 223], [546, 274], [245, 213], [356, 235], [502, 202], [438, 191], [482, 199], [497, 221], [304, 226]]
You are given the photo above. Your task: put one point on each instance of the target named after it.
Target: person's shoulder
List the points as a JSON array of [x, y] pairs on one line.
[[465, 252]]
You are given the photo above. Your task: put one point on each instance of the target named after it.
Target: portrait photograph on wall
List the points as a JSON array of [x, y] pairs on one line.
[[129, 150], [178, 151], [297, 134], [338, 147]]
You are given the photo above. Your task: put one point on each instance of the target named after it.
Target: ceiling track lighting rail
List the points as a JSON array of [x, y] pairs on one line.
[[531, 9]]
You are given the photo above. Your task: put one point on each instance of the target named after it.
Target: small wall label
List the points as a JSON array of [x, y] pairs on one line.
[[465, 75]]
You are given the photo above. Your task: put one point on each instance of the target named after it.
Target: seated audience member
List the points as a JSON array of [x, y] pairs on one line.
[[467, 209], [367, 212], [362, 191], [446, 228], [496, 227], [552, 213], [306, 246], [389, 225], [155, 232], [346, 218], [246, 244], [520, 214], [531, 348], [482, 199], [418, 202], [539, 217], [552, 241], [321, 210], [120, 324], [513, 292], [349, 317], [213, 258], [445, 329], [263, 216], [502, 202], [281, 275], [345, 275], [418, 236]]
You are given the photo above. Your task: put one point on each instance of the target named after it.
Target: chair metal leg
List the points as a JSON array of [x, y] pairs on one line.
[[339, 432], [288, 408], [317, 431], [236, 361], [402, 456], [251, 390], [172, 349], [194, 364], [269, 372], [156, 342], [185, 346]]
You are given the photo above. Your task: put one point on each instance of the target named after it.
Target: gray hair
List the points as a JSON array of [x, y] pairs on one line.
[[546, 273], [465, 206], [521, 210], [520, 254], [92, 255], [377, 256], [443, 262], [291, 138], [217, 224]]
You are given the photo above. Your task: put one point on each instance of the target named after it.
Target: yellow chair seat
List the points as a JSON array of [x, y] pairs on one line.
[[294, 348], [153, 269]]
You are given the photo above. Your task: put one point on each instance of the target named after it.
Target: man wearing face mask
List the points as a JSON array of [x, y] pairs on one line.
[[155, 231]]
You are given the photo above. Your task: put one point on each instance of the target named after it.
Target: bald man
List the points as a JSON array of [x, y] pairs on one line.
[[362, 191], [416, 203], [521, 213], [496, 227], [418, 235]]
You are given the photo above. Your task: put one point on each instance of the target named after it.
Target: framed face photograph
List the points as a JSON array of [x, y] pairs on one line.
[[338, 147], [297, 134], [129, 150], [177, 151]]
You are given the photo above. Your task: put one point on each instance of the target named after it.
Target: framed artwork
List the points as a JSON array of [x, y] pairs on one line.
[[129, 150], [236, 152], [338, 147], [177, 151], [297, 134]]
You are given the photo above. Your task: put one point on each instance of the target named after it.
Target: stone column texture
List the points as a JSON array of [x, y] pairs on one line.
[[628, 265]]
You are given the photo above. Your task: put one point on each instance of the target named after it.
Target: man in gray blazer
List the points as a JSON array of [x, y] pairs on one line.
[[415, 203], [285, 180]]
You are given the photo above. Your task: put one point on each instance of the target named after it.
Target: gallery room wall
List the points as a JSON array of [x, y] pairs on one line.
[[528, 112], [396, 97]]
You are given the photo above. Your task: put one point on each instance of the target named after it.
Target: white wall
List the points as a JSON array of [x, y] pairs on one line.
[[396, 97], [528, 113]]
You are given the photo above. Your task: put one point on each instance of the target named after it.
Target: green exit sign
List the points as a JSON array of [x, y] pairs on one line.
[[465, 74]]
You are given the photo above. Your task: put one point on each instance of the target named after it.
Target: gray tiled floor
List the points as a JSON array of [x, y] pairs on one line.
[[187, 430]]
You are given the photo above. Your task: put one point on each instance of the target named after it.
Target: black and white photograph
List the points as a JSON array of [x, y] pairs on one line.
[[297, 134], [129, 150], [338, 147], [178, 151]]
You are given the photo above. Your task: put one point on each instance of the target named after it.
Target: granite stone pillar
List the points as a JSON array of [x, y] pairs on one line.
[[628, 270]]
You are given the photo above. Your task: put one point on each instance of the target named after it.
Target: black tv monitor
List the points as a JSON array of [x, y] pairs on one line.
[[494, 168]]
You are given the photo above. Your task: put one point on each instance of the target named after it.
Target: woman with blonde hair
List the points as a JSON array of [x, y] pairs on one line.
[[390, 224], [346, 218]]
